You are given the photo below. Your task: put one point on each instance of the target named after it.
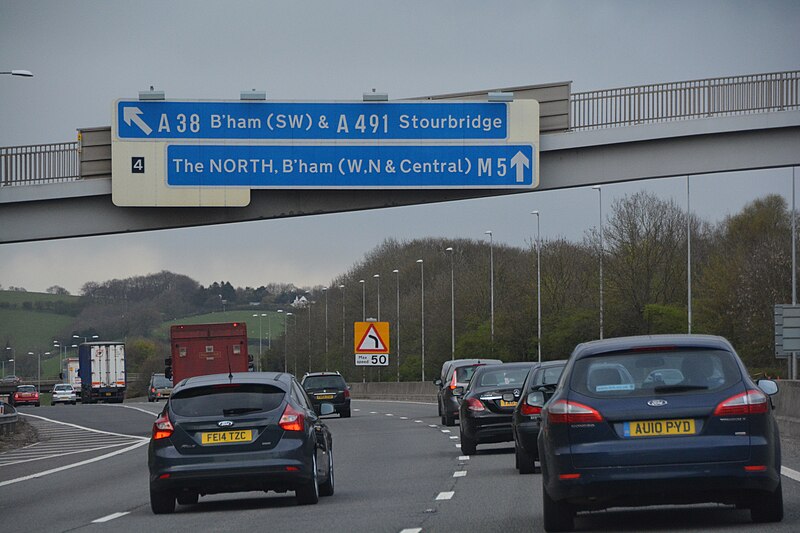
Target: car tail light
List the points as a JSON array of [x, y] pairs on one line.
[[474, 404], [152, 389], [566, 412], [747, 403], [346, 393], [453, 382], [292, 420], [526, 409], [162, 428]]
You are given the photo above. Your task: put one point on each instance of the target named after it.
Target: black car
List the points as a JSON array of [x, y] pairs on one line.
[[527, 415], [488, 402], [455, 373], [659, 420], [239, 432], [328, 387]]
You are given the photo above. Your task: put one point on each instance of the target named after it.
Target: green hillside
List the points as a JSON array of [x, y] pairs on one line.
[[28, 331]]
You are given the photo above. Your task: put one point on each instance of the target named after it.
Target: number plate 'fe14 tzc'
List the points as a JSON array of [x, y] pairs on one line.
[[657, 428], [225, 437]]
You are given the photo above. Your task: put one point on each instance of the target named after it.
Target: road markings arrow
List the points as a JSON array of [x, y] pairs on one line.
[[132, 114], [521, 162]]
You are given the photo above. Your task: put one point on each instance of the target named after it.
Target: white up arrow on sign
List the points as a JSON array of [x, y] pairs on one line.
[[132, 114], [521, 162]]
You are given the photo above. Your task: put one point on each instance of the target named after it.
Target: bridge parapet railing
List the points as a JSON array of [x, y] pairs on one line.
[[39, 164], [662, 102]]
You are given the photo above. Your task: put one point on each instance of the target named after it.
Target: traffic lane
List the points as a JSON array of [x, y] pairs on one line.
[[492, 495], [114, 418], [388, 474]]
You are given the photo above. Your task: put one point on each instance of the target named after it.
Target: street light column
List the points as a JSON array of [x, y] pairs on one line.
[[602, 253], [538, 287], [397, 324], [422, 300], [491, 282], [325, 290], [452, 307], [363, 300]]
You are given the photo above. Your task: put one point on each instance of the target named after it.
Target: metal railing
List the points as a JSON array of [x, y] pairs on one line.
[[39, 163], [8, 419], [662, 102]]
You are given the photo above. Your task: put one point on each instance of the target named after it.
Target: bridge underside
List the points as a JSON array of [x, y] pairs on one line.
[[570, 159]]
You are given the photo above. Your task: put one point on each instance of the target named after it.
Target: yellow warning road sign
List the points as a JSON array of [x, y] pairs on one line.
[[371, 337]]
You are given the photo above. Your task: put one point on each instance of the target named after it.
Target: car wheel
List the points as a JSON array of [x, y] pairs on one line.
[[308, 493], [37, 404], [768, 507], [525, 463], [558, 516], [72, 403], [151, 400], [468, 445], [326, 489], [188, 498], [345, 414], [162, 502], [448, 419]]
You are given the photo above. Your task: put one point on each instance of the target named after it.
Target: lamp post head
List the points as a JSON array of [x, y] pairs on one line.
[[448, 249], [341, 286], [361, 281], [23, 73], [31, 353], [535, 213], [488, 232], [395, 271], [419, 261], [596, 187]]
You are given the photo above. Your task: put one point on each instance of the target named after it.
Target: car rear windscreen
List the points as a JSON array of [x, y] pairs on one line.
[[645, 373], [323, 382], [161, 382], [226, 400], [503, 377]]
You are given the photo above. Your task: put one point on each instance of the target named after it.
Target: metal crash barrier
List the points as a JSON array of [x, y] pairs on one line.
[[8, 419]]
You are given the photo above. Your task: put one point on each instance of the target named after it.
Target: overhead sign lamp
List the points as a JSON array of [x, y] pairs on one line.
[[151, 94], [376, 97], [500, 96], [253, 95], [23, 73]]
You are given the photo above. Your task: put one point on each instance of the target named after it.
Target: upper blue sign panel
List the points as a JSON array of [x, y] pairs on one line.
[[312, 120]]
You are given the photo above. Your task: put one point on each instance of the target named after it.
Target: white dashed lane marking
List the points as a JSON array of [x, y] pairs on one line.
[[460, 473], [109, 517], [445, 495]]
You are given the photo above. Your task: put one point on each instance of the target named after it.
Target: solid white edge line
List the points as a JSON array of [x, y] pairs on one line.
[[411, 530], [74, 465], [445, 495], [791, 474], [110, 517], [145, 439], [131, 407]]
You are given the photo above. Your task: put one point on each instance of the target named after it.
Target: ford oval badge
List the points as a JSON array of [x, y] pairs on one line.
[[657, 403], [225, 423]]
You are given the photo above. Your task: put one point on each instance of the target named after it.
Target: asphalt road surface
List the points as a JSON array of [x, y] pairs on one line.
[[397, 470]]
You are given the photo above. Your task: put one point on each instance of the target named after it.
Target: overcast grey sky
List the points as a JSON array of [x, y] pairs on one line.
[[86, 54]]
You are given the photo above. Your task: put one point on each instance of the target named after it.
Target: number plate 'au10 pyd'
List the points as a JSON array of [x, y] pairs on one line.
[[226, 437], [325, 396], [659, 428]]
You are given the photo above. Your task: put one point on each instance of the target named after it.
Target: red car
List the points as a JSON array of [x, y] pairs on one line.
[[25, 395]]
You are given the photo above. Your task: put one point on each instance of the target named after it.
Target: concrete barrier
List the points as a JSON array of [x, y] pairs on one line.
[[787, 408], [412, 391]]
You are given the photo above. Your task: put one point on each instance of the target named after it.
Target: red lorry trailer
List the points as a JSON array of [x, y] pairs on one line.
[[201, 349]]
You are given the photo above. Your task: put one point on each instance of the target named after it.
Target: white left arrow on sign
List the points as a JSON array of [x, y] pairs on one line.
[[520, 162], [132, 114]]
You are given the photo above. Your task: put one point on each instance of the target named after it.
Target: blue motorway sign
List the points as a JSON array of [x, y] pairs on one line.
[[351, 166], [264, 121]]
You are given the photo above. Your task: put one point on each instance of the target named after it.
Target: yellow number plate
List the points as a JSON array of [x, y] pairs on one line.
[[504, 403], [325, 396], [658, 428], [226, 437]]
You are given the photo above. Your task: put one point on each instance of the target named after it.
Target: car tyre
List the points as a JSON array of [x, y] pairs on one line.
[[327, 488], [162, 502], [448, 420], [345, 414], [768, 507], [308, 493], [558, 516], [188, 498], [37, 404], [468, 445], [525, 463]]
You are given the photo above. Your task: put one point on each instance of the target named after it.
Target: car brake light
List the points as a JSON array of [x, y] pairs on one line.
[[152, 389], [453, 382], [474, 404], [346, 393], [566, 412], [747, 403], [526, 409], [162, 428], [292, 420]]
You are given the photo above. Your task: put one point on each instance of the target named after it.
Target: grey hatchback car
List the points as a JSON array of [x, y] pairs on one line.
[[237, 432]]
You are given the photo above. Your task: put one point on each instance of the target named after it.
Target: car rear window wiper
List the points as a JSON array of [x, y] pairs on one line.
[[240, 410], [679, 388]]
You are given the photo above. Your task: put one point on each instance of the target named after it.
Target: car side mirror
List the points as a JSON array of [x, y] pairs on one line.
[[535, 399], [458, 391], [769, 387], [437, 382]]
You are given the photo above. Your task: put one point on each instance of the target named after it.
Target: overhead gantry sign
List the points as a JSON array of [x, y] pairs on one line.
[[201, 153]]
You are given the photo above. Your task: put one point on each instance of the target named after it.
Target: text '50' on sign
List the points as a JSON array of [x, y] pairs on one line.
[[138, 120]]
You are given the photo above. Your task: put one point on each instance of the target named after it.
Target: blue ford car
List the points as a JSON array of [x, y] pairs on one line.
[[665, 419]]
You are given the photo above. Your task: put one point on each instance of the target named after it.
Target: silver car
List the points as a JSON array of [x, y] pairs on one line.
[[64, 393]]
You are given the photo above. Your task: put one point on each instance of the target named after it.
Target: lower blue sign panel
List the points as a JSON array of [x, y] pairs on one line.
[[451, 166]]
